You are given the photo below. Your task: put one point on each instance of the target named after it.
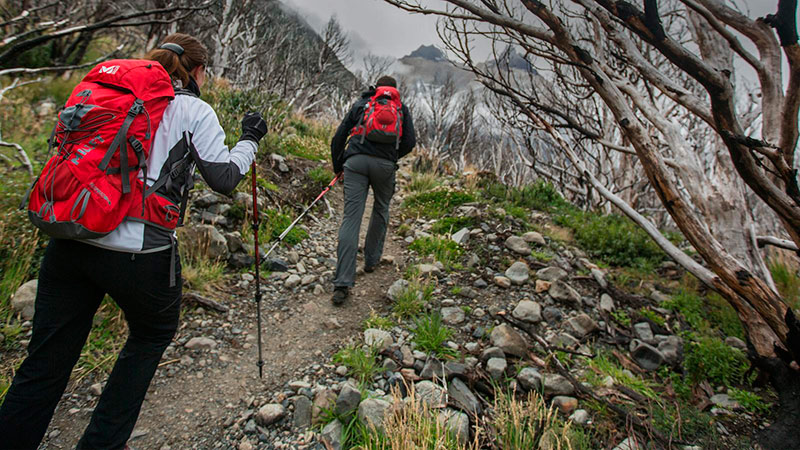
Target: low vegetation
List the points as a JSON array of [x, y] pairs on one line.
[[361, 363]]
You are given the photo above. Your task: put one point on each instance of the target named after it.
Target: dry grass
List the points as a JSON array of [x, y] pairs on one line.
[[528, 424], [198, 270]]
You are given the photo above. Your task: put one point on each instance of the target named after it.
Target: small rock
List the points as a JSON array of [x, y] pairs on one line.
[[534, 237], [461, 237], [452, 315], [341, 371], [201, 343], [736, 343], [480, 283], [496, 368], [552, 314], [292, 281], [324, 399], [565, 404], [606, 303], [671, 349], [581, 417], [528, 311], [555, 384], [348, 399], [96, 389], [659, 296], [429, 269], [503, 282], [332, 435], [431, 394], [492, 352], [473, 260], [542, 286], [302, 411], [724, 401], [629, 444], [457, 423], [581, 325], [518, 273], [530, 379], [551, 274], [561, 291], [433, 368], [269, 414], [518, 245], [645, 355], [372, 412], [397, 288], [508, 340], [643, 332], [308, 279], [381, 339], [23, 300]]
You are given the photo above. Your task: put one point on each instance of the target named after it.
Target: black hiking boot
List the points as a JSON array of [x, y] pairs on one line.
[[369, 269], [340, 294]]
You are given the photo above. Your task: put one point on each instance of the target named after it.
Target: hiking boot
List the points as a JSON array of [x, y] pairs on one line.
[[340, 294], [369, 269]]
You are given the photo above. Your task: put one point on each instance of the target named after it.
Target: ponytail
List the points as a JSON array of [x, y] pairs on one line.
[[179, 54]]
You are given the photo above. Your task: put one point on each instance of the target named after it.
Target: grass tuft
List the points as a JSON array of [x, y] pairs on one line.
[[430, 335], [361, 363]]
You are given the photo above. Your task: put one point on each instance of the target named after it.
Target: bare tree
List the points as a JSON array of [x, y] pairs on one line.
[[618, 56]]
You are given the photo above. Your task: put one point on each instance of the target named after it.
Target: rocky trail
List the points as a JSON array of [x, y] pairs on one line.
[[208, 377]]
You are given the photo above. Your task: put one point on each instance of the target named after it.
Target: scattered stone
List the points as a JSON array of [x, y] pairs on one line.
[[208, 237], [452, 315], [581, 325], [581, 417], [497, 368], [659, 296], [629, 444], [96, 389], [461, 237], [565, 340], [429, 269], [381, 339], [508, 340], [542, 286], [389, 365], [645, 355], [319, 290], [473, 260], [528, 311], [323, 399], [270, 413], [735, 342], [563, 292], [530, 379], [457, 423], [480, 283], [555, 384], [201, 343], [461, 394], [671, 349], [308, 279], [724, 401], [644, 332], [492, 352], [503, 282], [606, 303], [534, 237], [332, 435], [23, 300], [433, 368], [348, 399], [431, 394], [518, 245], [565, 404], [280, 161], [518, 273], [302, 411], [552, 314], [397, 288], [372, 412], [292, 281], [454, 368], [551, 274]]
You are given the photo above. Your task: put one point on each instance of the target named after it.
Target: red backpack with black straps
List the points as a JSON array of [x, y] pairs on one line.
[[383, 118], [103, 138]]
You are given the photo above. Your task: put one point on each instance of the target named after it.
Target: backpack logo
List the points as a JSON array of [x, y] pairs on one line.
[[109, 70]]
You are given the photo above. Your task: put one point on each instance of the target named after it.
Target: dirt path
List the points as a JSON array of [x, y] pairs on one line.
[[198, 395]]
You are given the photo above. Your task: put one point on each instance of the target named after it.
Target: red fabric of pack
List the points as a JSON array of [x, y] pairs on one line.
[[383, 118], [103, 138]]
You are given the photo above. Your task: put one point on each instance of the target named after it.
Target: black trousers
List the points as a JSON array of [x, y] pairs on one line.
[[73, 280]]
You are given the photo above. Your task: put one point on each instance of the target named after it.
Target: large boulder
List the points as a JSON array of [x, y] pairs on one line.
[[372, 412], [348, 400], [463, 397], [507, 339], [431, 394], [332, 435], [528, 311], [24, 299], [457, 423], [518, 273]]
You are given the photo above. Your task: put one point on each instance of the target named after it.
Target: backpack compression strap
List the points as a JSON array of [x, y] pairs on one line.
[[119, 144]]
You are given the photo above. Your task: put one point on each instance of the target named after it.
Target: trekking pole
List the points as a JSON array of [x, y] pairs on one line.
[[287, 230], [258, 278]]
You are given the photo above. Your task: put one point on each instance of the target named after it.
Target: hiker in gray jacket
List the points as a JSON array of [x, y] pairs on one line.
[[380, 131]]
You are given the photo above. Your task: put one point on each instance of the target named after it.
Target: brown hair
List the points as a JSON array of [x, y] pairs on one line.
[[178, 66], [386, 81]]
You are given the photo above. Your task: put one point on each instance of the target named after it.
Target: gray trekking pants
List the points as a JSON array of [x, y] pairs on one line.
[[361, 172]]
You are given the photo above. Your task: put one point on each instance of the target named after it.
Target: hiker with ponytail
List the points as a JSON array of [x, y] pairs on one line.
[[137, 263]]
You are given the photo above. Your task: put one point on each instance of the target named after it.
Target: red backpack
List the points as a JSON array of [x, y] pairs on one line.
[[383, 118], [103, 138]]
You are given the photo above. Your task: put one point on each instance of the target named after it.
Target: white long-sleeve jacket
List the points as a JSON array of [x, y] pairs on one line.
[[188, 136]]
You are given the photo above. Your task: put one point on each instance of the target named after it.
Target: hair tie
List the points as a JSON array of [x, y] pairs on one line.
[[173, 47]]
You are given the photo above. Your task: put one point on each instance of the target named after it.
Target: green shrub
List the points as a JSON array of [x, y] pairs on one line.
[[423, 182], [307, 147], [444, 250], [709, 358], [604, 365], [409, 302], [612, 238], [452, 224], [690, 305], [541, 196], [787, 281], [430, 335], [379, 322], [435, 204], [652, 316], [273, 223], [321, 176], [361, 363], [621, 317], [685, 422], [750, 401]]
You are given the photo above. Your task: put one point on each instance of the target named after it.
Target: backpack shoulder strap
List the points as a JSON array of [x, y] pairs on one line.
[[185, 92]]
